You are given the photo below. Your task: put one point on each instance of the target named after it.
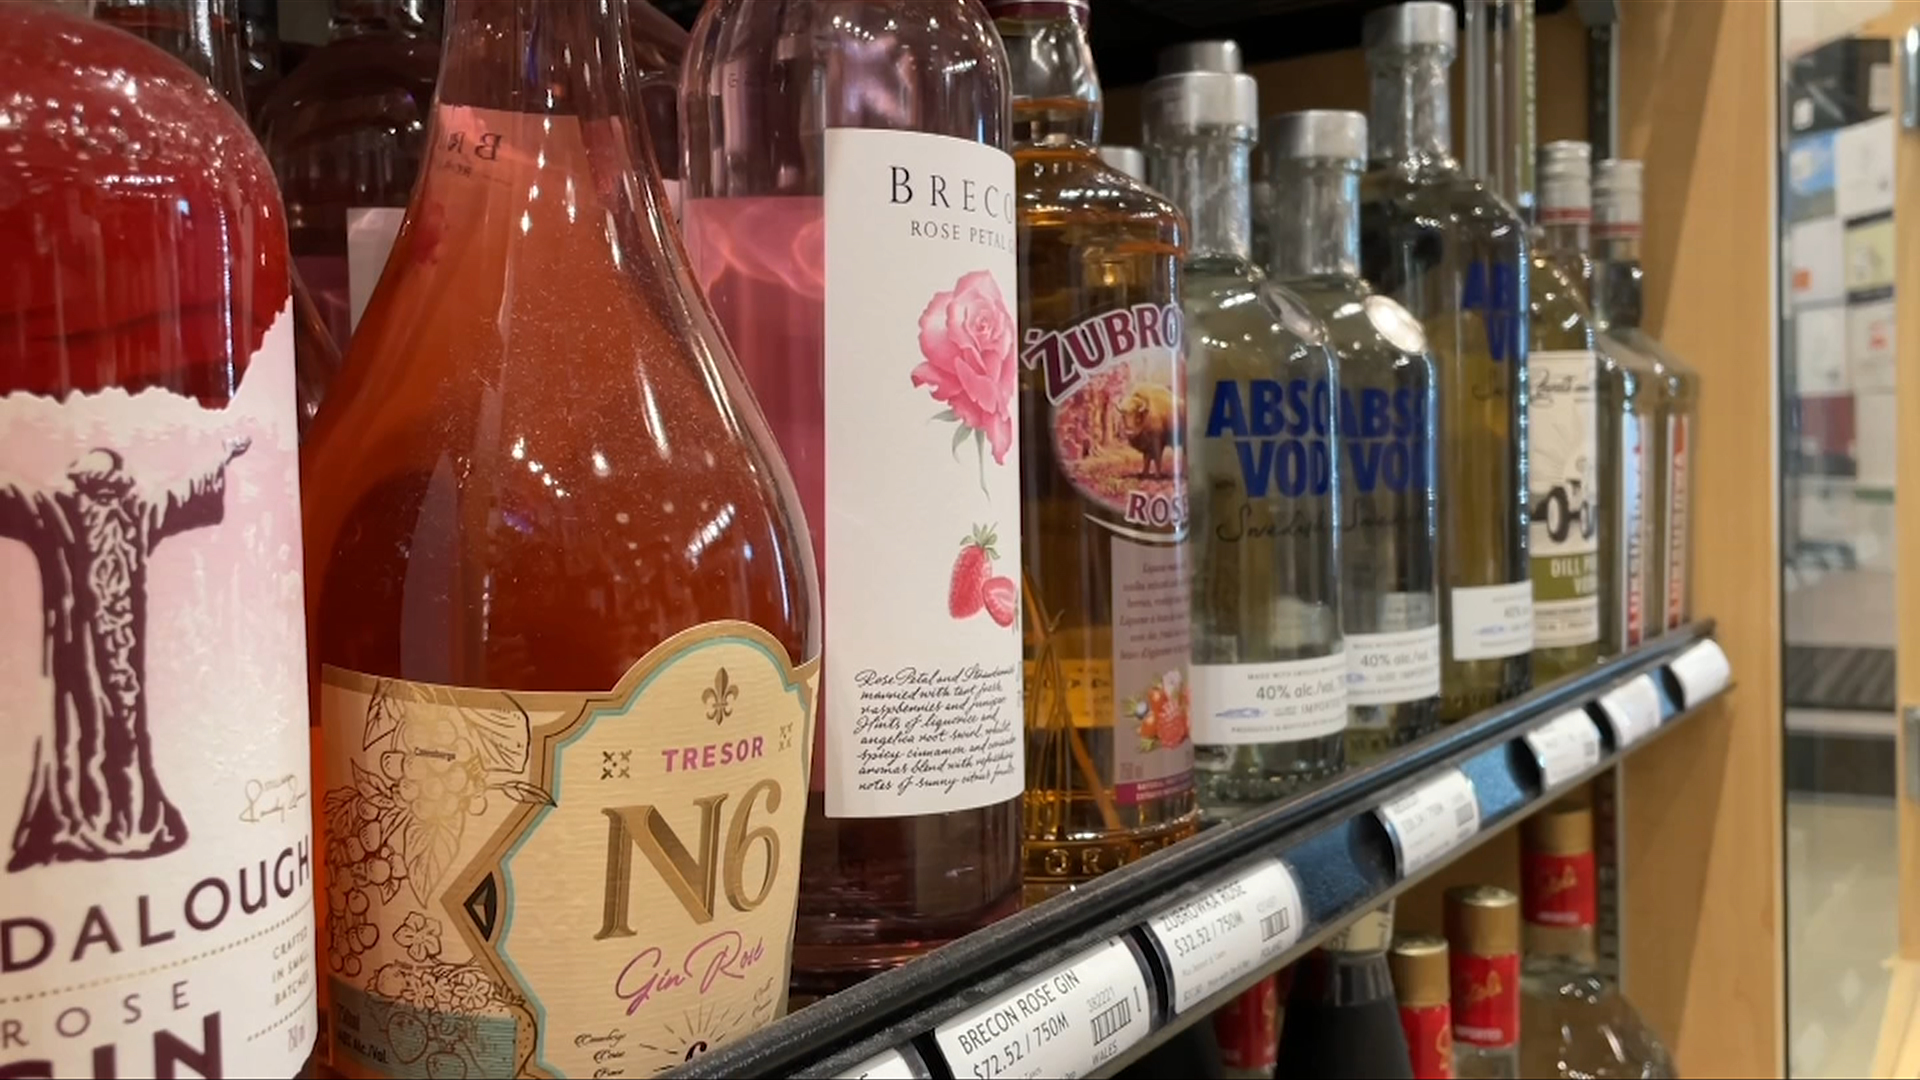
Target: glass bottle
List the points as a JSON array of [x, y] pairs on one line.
[[347, 130], [1456, 257], [1617, 187], [1341, 1016], [1483, 944], [260, 40], [1103, 484], [1563, 469], [1624, 394], [659, 48], [560, 589], [1127, 159], [1421, 982], [1389, 521], [1269, 701], [206, 36], [1248, 1031], [849, 214], [1224, 56], [152, 658], [1574, 1022]]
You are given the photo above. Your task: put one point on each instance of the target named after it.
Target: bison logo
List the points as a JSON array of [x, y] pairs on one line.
[[1148, 422]]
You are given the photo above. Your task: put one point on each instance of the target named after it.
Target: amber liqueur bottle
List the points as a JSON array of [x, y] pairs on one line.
[[155, 912], [1104, 576], [564, 615]]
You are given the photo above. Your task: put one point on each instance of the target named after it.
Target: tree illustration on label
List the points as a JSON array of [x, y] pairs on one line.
[[94, 794], [967, 339]]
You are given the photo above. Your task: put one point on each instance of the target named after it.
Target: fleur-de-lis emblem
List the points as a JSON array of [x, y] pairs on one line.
[[719, 697]]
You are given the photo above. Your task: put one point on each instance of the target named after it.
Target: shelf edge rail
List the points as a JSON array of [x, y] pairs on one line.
[[1342, 847]]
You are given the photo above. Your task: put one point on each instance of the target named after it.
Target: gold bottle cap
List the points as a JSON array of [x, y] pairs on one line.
[[1483, 920], [1419, 964], [1565, 828]]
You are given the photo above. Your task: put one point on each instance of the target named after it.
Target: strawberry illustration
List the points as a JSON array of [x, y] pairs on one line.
[[1002, 600], [966, 595]]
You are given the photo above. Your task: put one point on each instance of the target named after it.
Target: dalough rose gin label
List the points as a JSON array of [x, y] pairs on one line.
[[565, 884], [922, 476], [156, 910]]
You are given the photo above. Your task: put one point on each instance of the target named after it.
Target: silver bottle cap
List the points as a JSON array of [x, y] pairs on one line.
[[1616, 195], [1566, 181], [1192, 100], [1423, 22], [1315, 133], [1127, 159], [1201, 56]]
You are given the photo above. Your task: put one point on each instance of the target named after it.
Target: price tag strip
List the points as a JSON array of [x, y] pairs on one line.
[[1564, 747], [1064, 1023], [1702, 672], [1228, 932], [1431, 820], [891, 1065], [1633, 710]]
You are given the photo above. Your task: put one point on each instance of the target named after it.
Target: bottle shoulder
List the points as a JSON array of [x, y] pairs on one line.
[[1678, 380], [374, 77], [1559, 315], [1070, 184], [1233, 309], [1432, 196], [793, 68], [1367, 330]]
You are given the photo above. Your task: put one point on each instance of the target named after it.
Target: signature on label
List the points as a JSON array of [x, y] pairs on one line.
[[725, 955], [274, 798]]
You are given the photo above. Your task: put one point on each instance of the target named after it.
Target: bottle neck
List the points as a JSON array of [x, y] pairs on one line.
[[537, 56], [1564, 233], [538, 93], [203, 34], [1209, 178], [1563, 944], [355, 18], [1411, 115], [1561, 241], [1617, 278], [1319, 232], [1056, 93]]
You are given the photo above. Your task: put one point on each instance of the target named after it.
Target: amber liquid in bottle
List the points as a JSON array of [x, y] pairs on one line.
[[1105, 585], [540, 477]]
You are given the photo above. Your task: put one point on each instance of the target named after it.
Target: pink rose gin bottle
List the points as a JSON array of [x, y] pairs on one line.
[[849, 210]]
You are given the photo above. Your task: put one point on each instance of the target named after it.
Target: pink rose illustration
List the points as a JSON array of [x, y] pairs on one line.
[[967, 337]]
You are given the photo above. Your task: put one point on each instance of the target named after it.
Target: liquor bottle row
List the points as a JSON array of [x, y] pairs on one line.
[[615, 563], [1511, 990]]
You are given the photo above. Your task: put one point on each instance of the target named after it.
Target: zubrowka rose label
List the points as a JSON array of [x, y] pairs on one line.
[[156, 899], [545, 884]]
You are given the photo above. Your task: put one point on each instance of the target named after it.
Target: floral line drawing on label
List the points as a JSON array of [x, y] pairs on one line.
[[966, 338], [455, 868]]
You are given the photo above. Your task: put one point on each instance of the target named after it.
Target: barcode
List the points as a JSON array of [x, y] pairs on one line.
[[1462, 814], [1272, 926], [1112, 1020]]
